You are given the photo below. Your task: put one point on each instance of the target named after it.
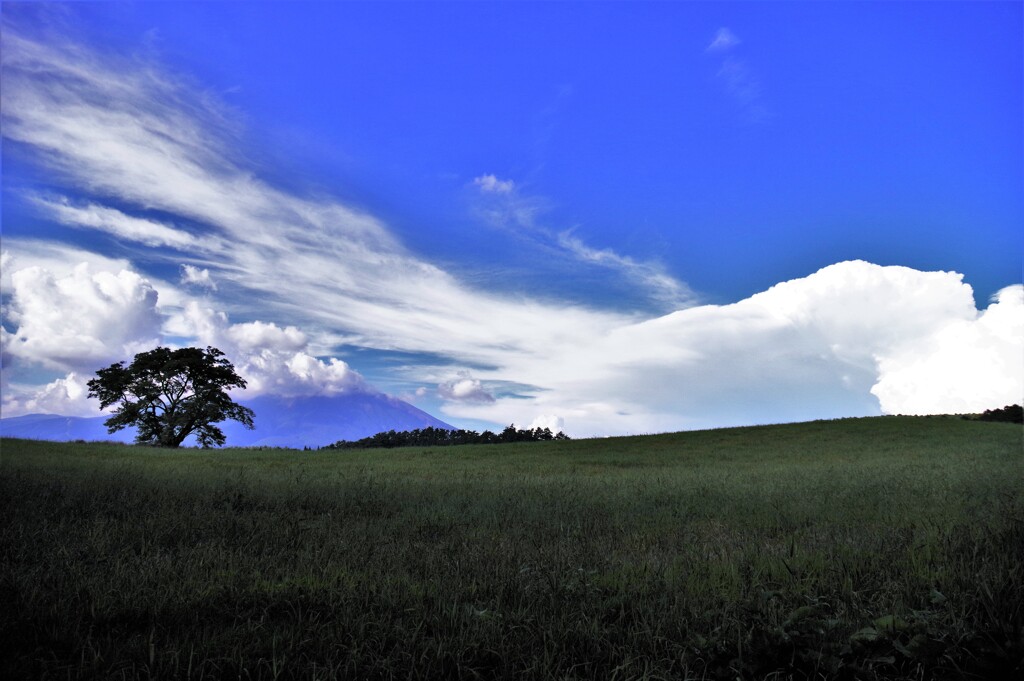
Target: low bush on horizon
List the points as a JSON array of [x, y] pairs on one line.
[[885, 548]]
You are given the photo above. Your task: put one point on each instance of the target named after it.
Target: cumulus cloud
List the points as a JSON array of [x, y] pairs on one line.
[[82, 319], [272, 359], [195, 276], [808, 348], [724, 40], [85, 320], [550, 421], [298, 373], [68, 396], [491, 184], [967, 365], [465, 388], [61, 260], [258, 335]]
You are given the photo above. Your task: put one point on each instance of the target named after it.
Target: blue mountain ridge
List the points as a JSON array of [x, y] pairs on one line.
[[312, 421]]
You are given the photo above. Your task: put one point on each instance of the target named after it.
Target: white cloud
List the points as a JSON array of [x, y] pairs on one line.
[[82, 319], [550, 421], [85, 320], [258, 335], [118, 224], [739, 82], [965, 366], [270, 358], [724, 40], [492, 185], [738, 79], [465, 388], [62, 259], [53, 257], [68, 396], [197, 277], [511, 210], [808, 348], [142, 139], [295, 374], [662, 286]]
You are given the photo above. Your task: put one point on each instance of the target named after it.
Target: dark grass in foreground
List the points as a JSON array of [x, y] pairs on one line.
[[862, 549]]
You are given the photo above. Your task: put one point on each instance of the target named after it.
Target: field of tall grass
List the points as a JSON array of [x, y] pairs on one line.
[[884, 548]]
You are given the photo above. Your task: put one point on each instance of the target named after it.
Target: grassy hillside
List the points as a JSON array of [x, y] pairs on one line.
[[867, 548]]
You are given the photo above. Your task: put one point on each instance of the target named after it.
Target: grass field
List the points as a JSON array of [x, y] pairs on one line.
[[858, 549]]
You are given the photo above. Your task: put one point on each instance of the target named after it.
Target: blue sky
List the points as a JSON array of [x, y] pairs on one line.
[[564, 213]]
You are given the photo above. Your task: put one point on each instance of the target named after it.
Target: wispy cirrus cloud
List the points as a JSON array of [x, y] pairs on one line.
[[491, 184], [136, 138], [723, 41], [672, 293], [737, 77], [126, 227], [508, 207]]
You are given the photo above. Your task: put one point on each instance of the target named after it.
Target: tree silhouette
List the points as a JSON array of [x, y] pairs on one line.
[[171, 394]]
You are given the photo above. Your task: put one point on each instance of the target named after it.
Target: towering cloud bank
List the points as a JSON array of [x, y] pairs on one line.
[[965, 365], [851, 339]]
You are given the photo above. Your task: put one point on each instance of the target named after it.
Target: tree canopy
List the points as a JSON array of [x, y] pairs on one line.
[[1012, 413], [171, 394]]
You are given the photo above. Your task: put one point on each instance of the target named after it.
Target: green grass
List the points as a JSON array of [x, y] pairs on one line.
[[861, 549]]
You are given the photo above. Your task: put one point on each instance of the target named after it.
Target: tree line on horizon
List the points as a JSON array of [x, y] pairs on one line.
[[442, 437], [1012, 413]]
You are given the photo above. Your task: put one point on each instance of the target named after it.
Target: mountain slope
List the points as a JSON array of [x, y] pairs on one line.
[[280, 422]]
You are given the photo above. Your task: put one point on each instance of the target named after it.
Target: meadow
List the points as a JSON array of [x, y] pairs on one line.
[[882, 548]]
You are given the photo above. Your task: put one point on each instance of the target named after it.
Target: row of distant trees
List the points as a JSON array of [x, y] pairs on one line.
[[441, 437], [1013, 413]]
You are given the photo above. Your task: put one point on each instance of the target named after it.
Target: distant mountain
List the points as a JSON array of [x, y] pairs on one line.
[[280, 422], [321, 420], [60, 428]]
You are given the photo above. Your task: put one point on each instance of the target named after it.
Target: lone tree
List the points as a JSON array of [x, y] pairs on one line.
[[171, 394]]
